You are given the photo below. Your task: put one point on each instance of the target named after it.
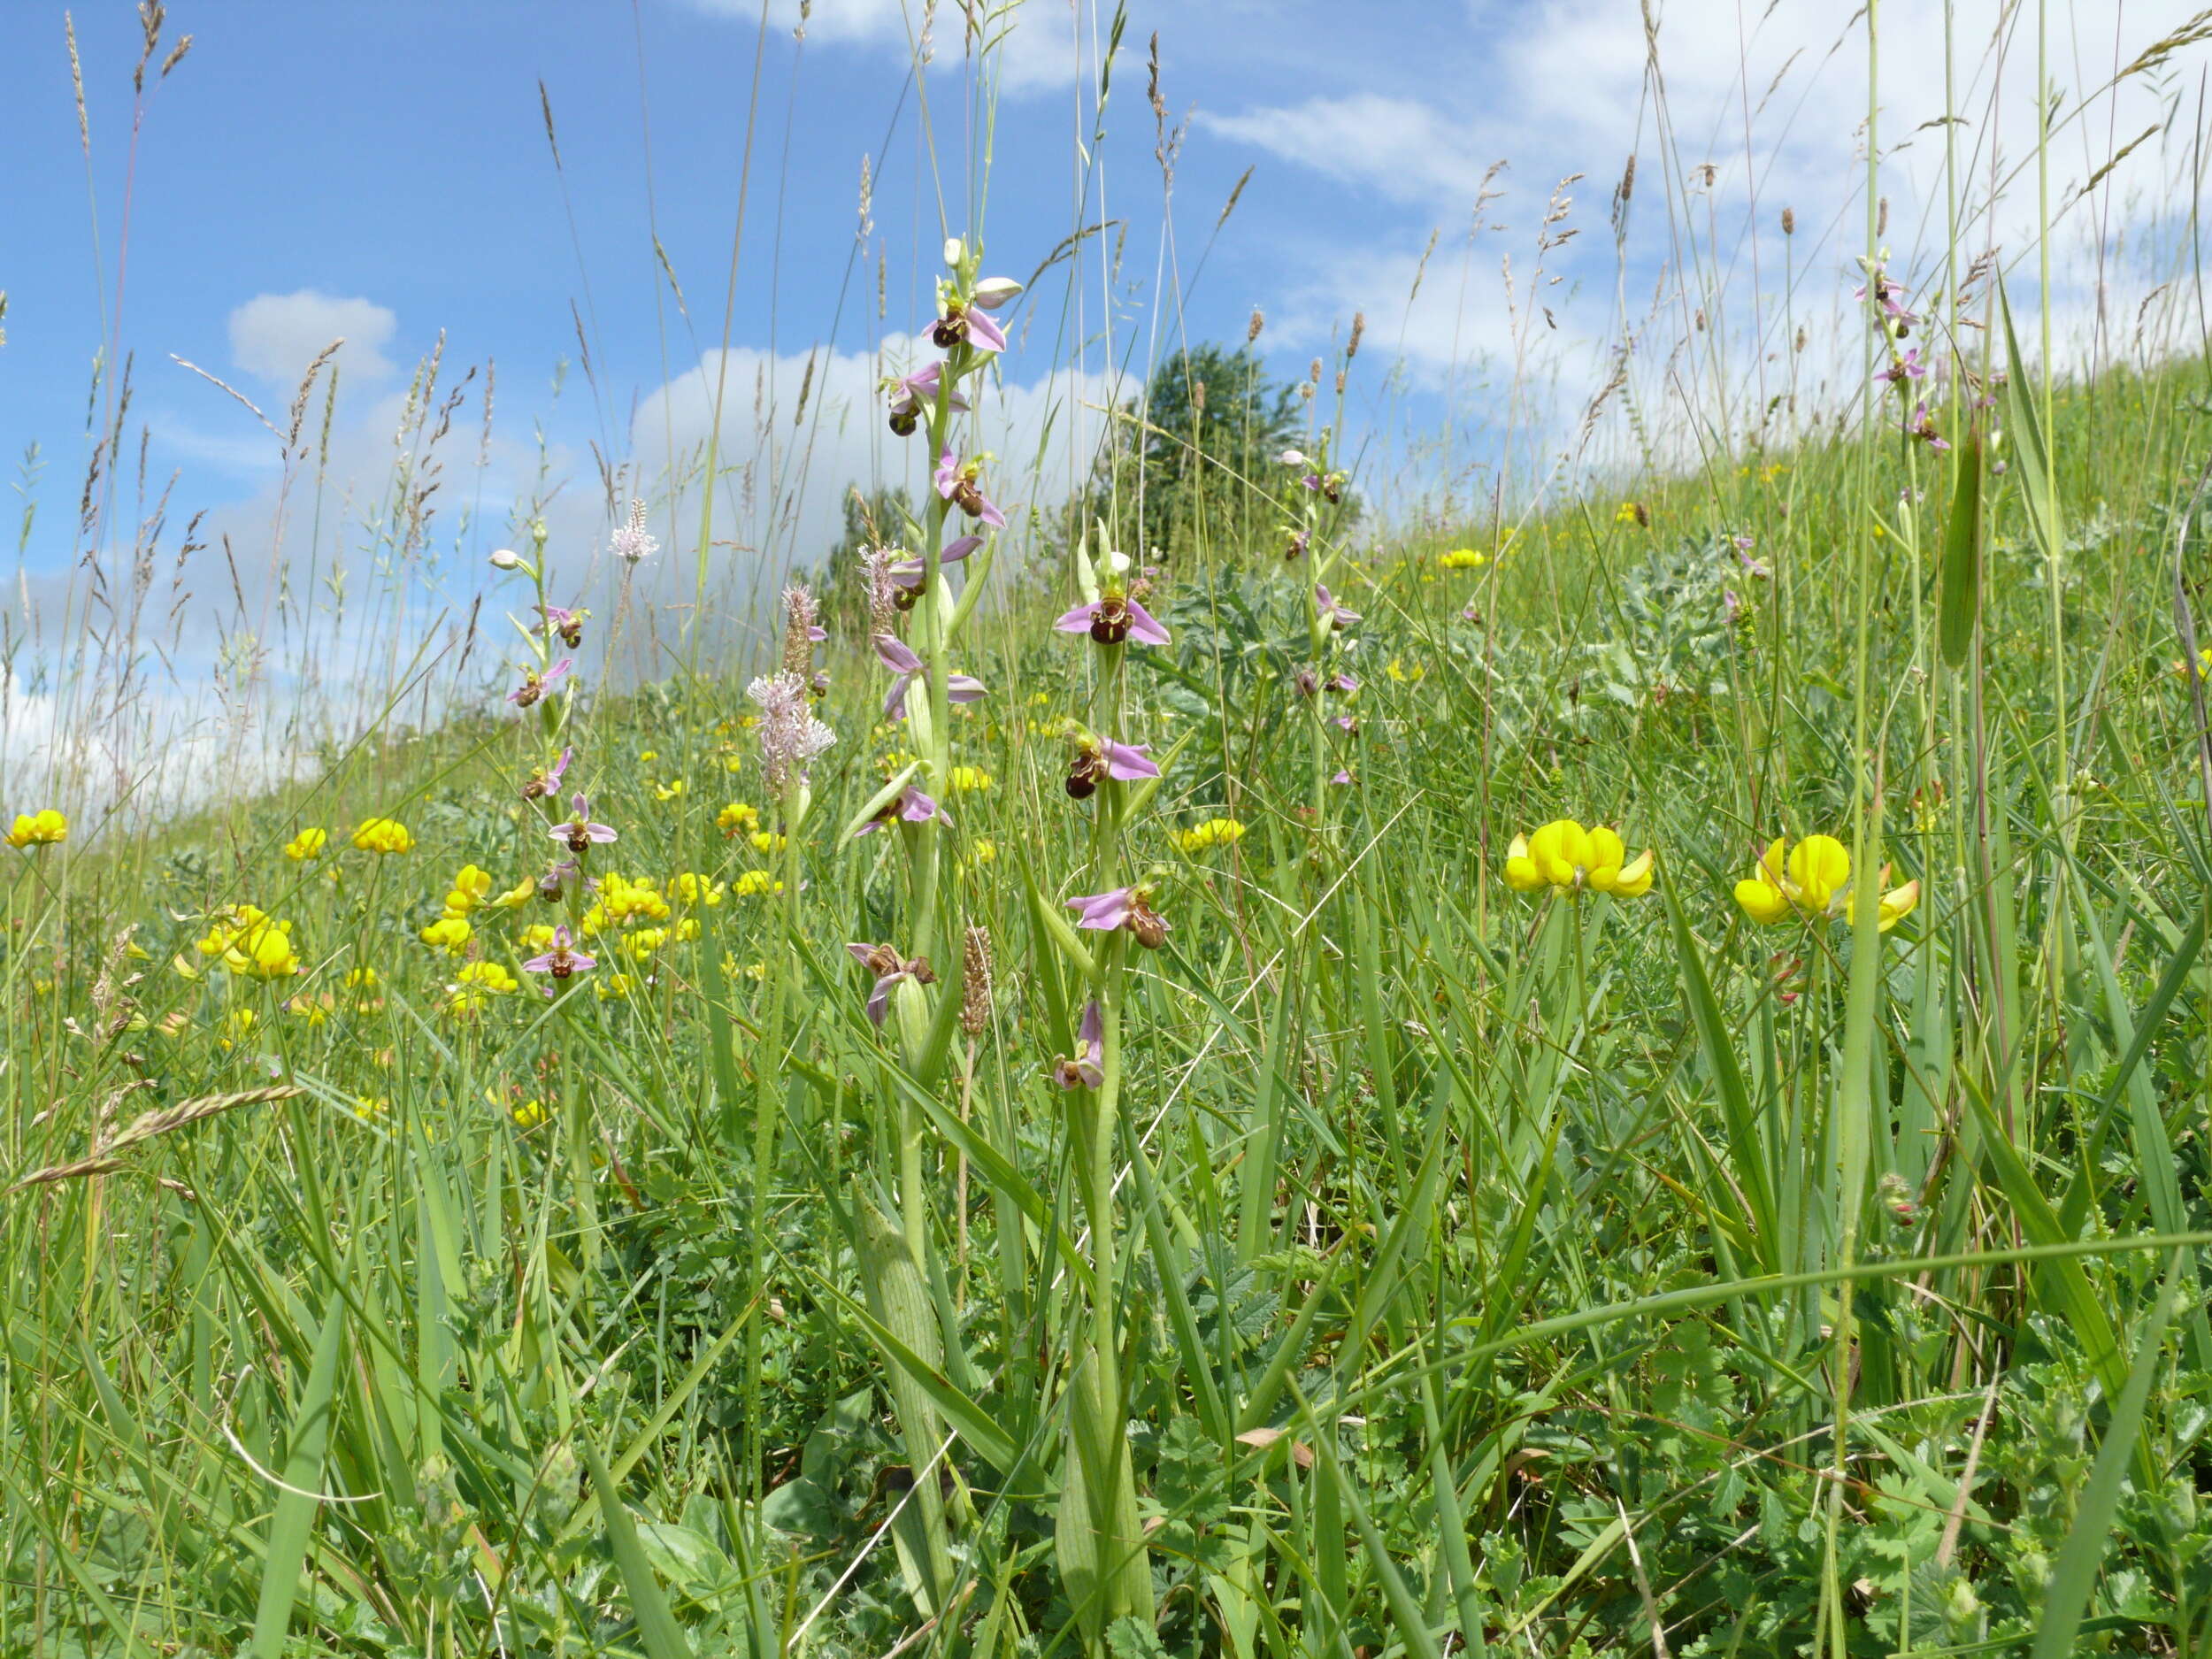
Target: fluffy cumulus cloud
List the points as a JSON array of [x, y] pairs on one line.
[[1041, 53], [1399, 146], [281, 634], [275, 336], [785, 468], [1733, 112]]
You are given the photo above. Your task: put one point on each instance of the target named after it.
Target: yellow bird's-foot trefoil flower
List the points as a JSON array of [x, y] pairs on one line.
[[38, 829], [383, 835], [1568, 858], [1813, 879]]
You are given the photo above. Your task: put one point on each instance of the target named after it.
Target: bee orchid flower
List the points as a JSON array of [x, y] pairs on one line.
[[889, 968], [1100, 759], [535, 685], [581, 833], [956, 482], [911, 806], [910, 393], [549, 781], [561, 960], [1112, 619], [895, 654], [1129, 907], [1082, 1070], [911, 572]]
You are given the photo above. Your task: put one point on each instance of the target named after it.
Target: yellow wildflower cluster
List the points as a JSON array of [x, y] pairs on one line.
[[1215, 832], [693, 888], [38, 829], [737, 817], [383, 835], [449, 934], [475, 985], [250, 942], [1568, 858], [968, 780], [623, 900], [642, 943], [1813, 879], [753, 883], [470, 888], [1462, 559], [768, 845], [362, 983], [309, 843]]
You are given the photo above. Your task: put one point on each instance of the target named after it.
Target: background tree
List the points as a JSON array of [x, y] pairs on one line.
[[1194, 460], [872, 518]]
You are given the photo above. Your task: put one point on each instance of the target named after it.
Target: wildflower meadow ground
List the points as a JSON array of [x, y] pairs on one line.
[[1619, 1064]]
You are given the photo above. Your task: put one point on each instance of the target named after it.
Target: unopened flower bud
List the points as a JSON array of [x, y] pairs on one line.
[[506, 559], [956, 250], [993, 292]]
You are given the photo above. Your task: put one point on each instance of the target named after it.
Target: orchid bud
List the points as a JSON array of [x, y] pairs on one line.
[[956, 250], [993, 292], [506, 559]]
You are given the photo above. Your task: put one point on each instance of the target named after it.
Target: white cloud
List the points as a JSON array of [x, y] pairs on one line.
[[785, 473], [1773, 97], [1397, 145], [275, 336], [1041, 50]]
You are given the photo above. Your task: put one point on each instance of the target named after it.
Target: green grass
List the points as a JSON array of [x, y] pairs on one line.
[[1423, 1266], [1445, 1213]]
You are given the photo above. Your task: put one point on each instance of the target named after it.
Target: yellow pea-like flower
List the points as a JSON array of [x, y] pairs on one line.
[[1568, 858], [1813, 879], [383, 835], [38, 829]]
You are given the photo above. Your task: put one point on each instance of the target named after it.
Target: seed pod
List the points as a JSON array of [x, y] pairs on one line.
[[975, 980]]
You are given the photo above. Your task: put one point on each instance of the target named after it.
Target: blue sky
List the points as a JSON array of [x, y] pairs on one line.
[[383, 172], [396, 156]]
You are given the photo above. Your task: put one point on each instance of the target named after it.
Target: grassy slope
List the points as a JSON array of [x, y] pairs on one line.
[[526, 1239]]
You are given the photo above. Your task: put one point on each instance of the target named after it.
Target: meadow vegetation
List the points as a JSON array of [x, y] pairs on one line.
[[1214, 1071]]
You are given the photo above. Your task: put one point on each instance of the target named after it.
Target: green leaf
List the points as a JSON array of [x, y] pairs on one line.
[[1961, 600], [2075, 1573], [2025, 423], [657, 1630], [1747, 1155], [296, 1505]]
